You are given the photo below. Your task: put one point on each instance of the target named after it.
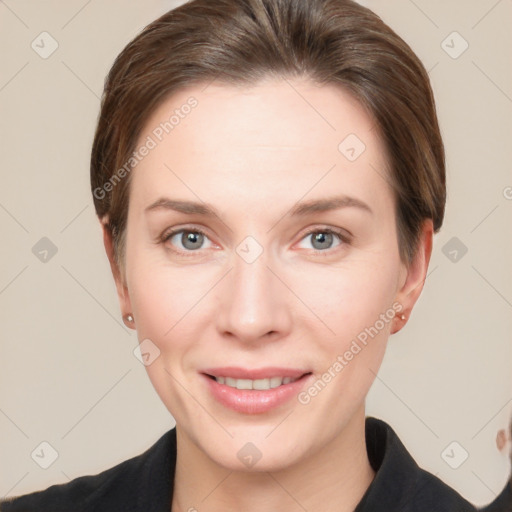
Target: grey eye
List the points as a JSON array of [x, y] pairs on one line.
[[190, 240], [322, 239]]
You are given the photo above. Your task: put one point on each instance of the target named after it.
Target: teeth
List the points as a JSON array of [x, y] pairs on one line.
[[260, 384]]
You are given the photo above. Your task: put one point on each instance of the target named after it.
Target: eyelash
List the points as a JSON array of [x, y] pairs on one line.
[[327, 252]]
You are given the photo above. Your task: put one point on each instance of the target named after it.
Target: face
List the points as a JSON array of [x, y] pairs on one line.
[[276, 277]]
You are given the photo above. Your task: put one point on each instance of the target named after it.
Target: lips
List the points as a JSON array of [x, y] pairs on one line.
[[236, 372], [254, 401]]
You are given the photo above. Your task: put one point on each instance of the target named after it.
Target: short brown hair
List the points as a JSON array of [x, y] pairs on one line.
[[243, 41]]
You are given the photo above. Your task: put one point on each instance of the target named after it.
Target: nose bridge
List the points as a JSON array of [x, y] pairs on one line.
[[254, 300]]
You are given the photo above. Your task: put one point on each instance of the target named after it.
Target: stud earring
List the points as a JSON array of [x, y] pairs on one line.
[[402, 317], [129, 318]]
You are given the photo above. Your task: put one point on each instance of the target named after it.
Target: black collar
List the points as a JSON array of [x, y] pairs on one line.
[[143, 483], [399, 484]]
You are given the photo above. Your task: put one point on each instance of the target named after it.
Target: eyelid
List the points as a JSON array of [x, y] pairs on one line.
[[169, 233], [344, 234]]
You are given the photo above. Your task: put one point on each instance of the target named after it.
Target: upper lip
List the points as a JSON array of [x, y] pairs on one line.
[[237, 372]]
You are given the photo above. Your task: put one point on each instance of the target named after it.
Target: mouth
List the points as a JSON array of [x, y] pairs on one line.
[[255, 384], [255, 396]]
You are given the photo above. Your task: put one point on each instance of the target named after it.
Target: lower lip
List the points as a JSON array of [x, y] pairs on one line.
[[251, 401]]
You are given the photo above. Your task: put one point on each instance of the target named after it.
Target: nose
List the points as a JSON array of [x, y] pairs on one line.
[[254, 302]]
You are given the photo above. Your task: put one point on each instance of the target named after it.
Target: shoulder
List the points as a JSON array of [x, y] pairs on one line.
[[431, 493], [399, 483], [84, 490], [121, 487], [503, 502]]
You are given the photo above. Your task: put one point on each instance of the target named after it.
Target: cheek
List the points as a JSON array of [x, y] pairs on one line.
[[160, 293], [165, 305], [350, 297], [354, 306], [171, 304], [153, 299]]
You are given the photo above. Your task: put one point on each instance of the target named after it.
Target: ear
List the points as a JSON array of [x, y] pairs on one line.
[[501, 439], [119, 278], [412, 278]]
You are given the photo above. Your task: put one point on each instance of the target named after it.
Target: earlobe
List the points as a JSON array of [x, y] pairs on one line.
[[119, 279], [415, 276], [129, 320], [501, 439]]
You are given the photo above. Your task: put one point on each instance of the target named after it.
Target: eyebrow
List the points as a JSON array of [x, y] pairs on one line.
[[299, 209]]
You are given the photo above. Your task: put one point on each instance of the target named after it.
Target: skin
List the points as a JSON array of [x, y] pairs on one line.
[[252, 153], [504, 445], [504, 440]]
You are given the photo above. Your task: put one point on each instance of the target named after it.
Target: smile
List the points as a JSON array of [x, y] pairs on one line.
[[258, 395], [259, 384]]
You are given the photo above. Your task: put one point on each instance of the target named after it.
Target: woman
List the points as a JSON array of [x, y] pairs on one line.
[[268, 175]]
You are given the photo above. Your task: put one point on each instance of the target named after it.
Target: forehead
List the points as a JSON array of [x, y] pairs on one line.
[[287, 136]]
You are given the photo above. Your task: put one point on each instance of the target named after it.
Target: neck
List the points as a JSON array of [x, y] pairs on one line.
[[333, 478]]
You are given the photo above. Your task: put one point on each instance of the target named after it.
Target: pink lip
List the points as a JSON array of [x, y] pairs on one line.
[[252, 401]]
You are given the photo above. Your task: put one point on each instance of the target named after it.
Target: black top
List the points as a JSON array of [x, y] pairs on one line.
[[503, 503], [143, 483]]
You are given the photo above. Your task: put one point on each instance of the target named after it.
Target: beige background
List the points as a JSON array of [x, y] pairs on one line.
[[67, 372]]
